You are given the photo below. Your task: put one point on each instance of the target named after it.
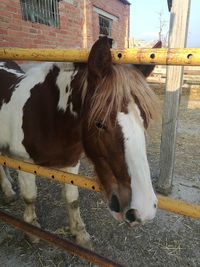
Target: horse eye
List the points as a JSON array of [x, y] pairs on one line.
[[100, 125]]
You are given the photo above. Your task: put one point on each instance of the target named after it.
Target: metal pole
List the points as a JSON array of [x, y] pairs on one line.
[[158, 56], [52, 174], [53, 239], [164, 203]]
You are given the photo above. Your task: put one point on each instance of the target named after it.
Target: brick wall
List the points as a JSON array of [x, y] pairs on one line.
[[78, 25]]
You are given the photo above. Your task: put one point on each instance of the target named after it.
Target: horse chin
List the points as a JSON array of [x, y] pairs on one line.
[[117, 215], [133, 224]]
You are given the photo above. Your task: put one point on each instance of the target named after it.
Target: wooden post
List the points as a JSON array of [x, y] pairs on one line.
[[177, 39]]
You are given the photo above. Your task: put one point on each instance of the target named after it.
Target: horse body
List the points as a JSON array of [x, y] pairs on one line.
[[55, 111], [36, 128]]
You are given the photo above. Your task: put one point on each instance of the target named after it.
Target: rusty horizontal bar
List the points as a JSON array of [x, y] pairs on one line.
[[164, 203], [53, 239], [158, 56]]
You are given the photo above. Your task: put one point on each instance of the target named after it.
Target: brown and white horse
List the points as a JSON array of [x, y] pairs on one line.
[[55, 111]]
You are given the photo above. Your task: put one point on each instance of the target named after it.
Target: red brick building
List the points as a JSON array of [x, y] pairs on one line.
[[63, 23]]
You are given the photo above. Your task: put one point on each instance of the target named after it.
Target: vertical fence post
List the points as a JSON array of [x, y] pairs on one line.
[[177, 39]]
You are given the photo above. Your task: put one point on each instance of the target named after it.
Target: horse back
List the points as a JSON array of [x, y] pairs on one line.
[[11, 65]]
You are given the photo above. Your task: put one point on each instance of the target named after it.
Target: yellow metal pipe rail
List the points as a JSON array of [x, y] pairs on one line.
[[52, 174], [158, 56], [165, 203]]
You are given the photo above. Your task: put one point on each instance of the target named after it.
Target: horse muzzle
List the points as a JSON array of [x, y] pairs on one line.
[[130, 215]]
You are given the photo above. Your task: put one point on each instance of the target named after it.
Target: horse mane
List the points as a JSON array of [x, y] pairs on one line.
[[122, 85]]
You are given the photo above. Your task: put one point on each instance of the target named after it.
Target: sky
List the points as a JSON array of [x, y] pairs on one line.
[[144, 20]]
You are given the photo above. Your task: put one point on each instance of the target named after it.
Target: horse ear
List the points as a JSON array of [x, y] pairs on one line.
[[100, 60], [147, 69]]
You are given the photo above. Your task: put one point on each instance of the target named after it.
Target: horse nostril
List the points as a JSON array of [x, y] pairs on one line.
[[130, 215], [114, 204]]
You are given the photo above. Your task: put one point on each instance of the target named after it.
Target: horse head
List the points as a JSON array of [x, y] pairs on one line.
[[118, 105]]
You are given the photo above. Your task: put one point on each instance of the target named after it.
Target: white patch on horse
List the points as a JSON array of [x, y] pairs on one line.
[[63, 82], [6, 184], [64, 85], [41, 70], [15, 72], [11, 115], [72, 111], [143, 196]]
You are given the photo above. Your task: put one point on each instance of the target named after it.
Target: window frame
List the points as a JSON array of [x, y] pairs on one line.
[[41, 11], [105, 20]]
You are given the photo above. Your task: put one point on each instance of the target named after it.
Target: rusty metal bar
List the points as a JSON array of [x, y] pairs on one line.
[[165, 203], [158, 56], [53, 239]]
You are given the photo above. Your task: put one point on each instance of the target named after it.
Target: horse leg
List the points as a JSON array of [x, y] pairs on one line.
[[6, 185], [76, 224], [28, 191], [7, 172]]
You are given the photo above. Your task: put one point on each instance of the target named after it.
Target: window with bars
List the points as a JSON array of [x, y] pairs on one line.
[[105, 26], [41, 11]]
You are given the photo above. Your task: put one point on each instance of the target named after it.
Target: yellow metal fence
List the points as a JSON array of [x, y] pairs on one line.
[[159, 56], [165, 203]]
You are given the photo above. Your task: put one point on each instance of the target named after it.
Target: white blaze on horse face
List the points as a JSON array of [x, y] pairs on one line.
[[143, 197]]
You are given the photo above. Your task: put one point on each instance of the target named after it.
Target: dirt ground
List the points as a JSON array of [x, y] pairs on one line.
[[170, 240]]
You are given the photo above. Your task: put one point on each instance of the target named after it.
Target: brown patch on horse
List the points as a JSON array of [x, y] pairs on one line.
[[48, 139], [114, 177], [9, 81], [112, 170]]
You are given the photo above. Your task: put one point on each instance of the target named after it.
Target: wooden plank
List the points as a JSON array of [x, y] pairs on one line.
[[177, 38]]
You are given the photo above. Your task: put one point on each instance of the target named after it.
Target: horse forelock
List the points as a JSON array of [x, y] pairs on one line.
[[121, 86]]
